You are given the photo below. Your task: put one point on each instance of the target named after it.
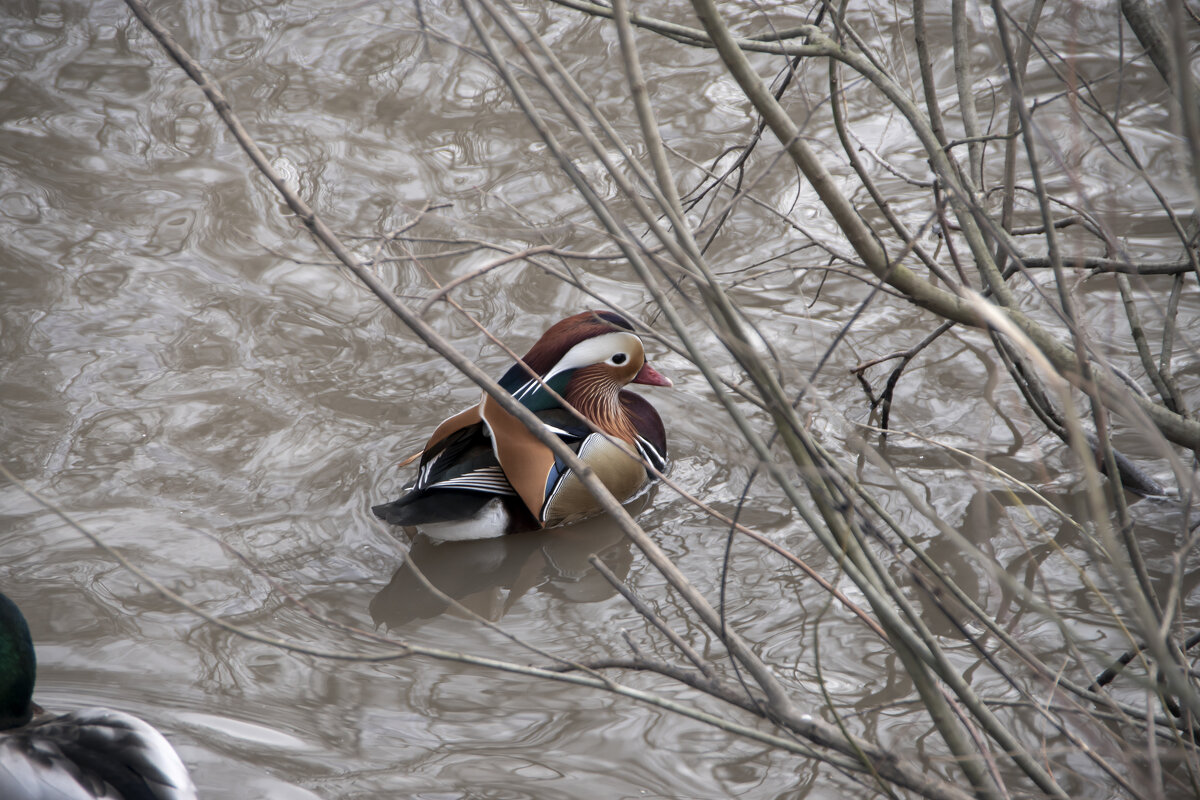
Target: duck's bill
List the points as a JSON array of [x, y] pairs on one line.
[[649, 376]]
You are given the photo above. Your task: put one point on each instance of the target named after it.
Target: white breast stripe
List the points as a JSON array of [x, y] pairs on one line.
[[582, 455], [650, 454]]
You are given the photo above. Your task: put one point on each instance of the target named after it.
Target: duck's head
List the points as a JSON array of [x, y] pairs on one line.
[[18, 667], [586, 359], [595, 349]]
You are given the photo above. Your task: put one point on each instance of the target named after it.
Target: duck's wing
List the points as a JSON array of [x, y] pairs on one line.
[[91, 753], [463, 460], [458, 475]]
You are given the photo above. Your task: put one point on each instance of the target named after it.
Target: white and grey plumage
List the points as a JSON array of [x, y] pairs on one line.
[[81, 755]]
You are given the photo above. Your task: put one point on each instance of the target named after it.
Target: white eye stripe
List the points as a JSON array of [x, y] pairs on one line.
[[597, 350]]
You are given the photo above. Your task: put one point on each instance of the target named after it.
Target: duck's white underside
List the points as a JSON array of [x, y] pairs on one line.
[[490, 522]]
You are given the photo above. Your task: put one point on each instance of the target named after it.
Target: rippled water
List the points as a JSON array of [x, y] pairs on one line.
[[181, 369]]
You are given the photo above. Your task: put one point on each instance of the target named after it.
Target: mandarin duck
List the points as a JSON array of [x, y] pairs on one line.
[[483, 474], [81, 755]]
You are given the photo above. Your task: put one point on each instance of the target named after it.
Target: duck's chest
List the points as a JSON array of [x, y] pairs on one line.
[[620, 471]]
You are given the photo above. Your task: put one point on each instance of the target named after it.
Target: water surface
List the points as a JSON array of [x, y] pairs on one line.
[[182, 368]]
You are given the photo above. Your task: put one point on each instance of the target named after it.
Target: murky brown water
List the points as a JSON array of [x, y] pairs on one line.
[[178, 365]]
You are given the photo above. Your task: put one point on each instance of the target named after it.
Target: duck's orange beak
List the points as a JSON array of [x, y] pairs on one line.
[[649, 376]]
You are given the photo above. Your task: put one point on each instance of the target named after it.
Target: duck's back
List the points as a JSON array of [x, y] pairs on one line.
[[87, 754]]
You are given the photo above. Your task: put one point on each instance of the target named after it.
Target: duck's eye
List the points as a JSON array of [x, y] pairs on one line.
[[619, 358]]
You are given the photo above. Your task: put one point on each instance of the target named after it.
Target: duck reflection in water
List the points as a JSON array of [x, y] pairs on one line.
[[489, 576]]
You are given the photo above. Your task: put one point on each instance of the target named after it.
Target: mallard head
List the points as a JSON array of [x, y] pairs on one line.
[[18, 667]]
